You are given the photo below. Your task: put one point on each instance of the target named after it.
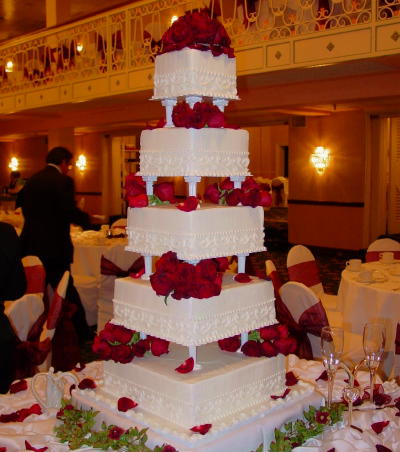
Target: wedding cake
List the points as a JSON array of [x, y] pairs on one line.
[[187, 322]]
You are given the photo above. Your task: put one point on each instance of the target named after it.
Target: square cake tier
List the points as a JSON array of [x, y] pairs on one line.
[[211, 231], [239, 308], [226, 384]]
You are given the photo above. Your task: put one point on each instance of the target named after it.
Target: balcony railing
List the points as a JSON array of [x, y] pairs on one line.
[[128, 38]]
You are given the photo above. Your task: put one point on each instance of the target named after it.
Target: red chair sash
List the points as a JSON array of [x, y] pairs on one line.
[[373, 256], [35, 279], [29, 355], [108, 267], [397, 341], [305, 272], [276, 282], [54, 311]]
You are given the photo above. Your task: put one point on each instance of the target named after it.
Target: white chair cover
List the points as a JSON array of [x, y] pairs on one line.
[[23, 313], [382, 245]]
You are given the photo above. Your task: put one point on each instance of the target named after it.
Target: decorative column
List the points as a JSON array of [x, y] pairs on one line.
[[147, 266], [149, 184], [220, 103], [242, 262], [191, 100], [237, 181], [244, 337], [169, 104], [192, 181]]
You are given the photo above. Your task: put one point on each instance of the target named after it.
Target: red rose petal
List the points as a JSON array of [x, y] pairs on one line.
[[3, 449], [190, 204], [138, 274], [36, 449], [87, 383], [323, 376], [242, 278], [138, 200], [377, 427], [275, 397], [125, 404], [79, 367], [202, 429], [21, 385], [381, 448], [186, 366], [291, 379]]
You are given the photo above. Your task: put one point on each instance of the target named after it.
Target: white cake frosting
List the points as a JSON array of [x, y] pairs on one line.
[[225, 384], [171, 151], [239, 308], [211, 231], [192, 72]]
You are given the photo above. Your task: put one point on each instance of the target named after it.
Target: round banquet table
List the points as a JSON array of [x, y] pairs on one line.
[[38, 429], [375, 301]]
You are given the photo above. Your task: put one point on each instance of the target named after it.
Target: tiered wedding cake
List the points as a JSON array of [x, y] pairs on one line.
[[196, 382]]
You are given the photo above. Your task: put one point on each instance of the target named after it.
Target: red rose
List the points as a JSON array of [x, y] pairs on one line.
[[181, 114], [122, 334], [252, 348], [115, 432], [184, 281], [269, 333], [286, 345], [283, 330], [202, 429], [122, 354], [159, 346], [21, 385], [191, 203], [162, 283], [291, 379], [206, 269], [168, 448], [221, 37], [249, 184], [212, 193], [222, 263], [87, 383], [206, 289], [125, 404], [234, 197], [322, 417], [230, 344], [139, 349], [186, 367], [198, 116], [242, 278], [251, 198], [268, 349], [204, 27], [216, 118], [134, 185], [29, 446], [101, 348], [138, 201], [165, 191], [266, 198], [226, 184], [167, 263]]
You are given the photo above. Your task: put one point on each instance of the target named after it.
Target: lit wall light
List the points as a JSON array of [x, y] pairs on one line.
[[173, 19], [79, 47], [320, 159], [9, 66], [81, 163], [14, 163]]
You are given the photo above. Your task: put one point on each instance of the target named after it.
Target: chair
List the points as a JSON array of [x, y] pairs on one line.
[[382, 245], [309, 318], [303, 268], [396, 364], [119, 226], [88, 288], [281, 311], [35, 275], [115, 263]]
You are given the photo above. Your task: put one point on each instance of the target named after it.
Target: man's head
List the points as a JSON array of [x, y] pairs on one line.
[[61, 157]]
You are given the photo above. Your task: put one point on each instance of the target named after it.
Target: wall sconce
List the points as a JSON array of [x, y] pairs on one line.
[[81, 163], [79, 47], [9, 66], [173, 19], [14, 163], [320, 159]]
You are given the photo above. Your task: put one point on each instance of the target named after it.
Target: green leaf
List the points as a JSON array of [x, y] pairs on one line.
[[254, 335]]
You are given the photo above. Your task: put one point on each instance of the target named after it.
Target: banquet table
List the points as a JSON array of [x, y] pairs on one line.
[[375, 301], [38, 429]]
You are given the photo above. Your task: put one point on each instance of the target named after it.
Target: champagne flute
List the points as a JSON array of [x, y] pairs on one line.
[[374, 345], [332, 339], [350, 395]]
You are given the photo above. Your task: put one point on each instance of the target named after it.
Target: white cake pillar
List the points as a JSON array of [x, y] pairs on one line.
[[169, 104], [242, 262], [244, 337], [147, 266], [143, 335], [220, 103], [149, 184], [192, 181], [193, 354], [191, 100], [237, 181]]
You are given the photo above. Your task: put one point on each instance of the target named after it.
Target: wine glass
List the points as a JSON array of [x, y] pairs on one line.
[[332, 339], [350, 394], [374, 345]]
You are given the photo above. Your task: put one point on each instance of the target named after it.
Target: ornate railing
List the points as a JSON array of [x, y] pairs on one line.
[[128, 38]]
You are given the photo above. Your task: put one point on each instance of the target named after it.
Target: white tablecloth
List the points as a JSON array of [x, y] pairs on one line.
[[377, 301], [37, 429]]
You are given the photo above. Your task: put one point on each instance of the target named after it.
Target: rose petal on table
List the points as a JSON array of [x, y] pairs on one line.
[[242, 278], [381, 448], [125, 404], [36, 449], [323, 376], [87, 383], [202, 429], [79, 367], [275, 397], [186, 367], [377, 427], [21, 385], [291, 379]]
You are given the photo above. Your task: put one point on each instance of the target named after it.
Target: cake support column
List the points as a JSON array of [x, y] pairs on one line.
[[242, 262], [244, 337], [191, 100], [221, 103], [192, 181], [237, 181], [147, 266], [169, 104], [149, 184], [193, 354]]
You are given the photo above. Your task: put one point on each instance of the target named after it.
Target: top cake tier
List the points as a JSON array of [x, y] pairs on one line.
[[191, 72]]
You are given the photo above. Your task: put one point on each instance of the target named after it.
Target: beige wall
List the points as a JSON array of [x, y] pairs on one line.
[[340, 225]]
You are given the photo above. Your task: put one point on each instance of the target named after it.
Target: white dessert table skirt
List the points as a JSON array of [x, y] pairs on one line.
[[38, 429], [377, 301]]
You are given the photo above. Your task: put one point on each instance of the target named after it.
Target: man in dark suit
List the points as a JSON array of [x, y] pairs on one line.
[[48, 204], [12, 286]]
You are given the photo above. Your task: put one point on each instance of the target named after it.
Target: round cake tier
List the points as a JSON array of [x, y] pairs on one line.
[[176, 151], [239, 308], [211, 231], [190, 72]]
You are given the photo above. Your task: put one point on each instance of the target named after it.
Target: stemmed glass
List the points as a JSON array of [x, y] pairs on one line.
[[374, 346], [332, 339], [351, 393]]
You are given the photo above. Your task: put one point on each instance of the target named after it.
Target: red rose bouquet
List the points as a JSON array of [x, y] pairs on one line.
[[267, 341], [197, 30], [122, 345], [203, 114], [136, 196], [183, 280]]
